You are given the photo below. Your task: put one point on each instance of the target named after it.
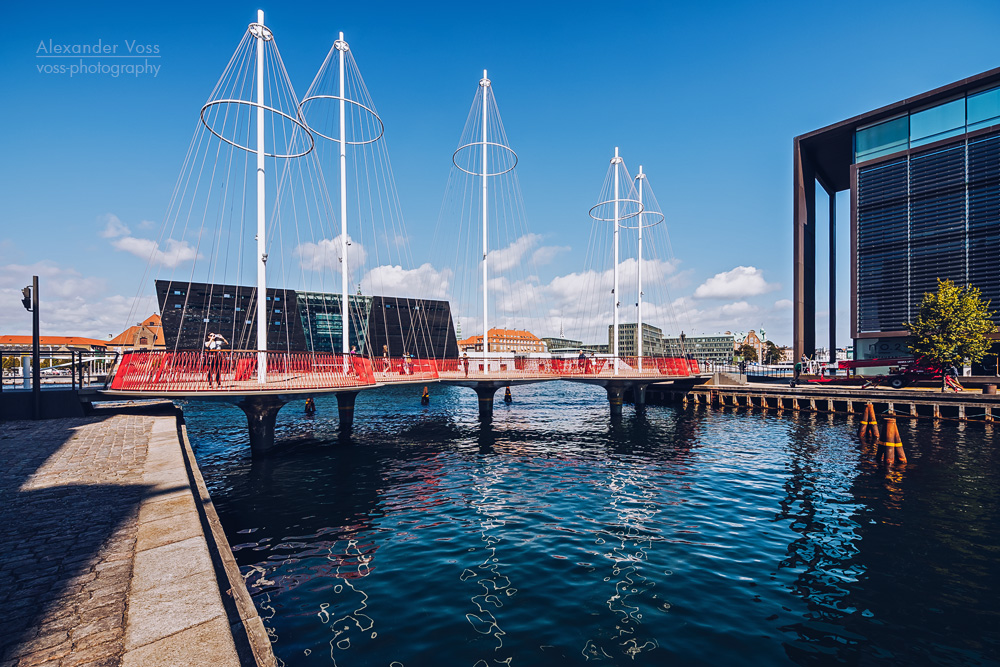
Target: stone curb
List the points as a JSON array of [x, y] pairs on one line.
[[175, 612], [252, 642]]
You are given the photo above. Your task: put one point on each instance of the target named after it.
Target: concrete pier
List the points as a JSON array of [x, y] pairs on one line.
[[262, 412], [109, 557]]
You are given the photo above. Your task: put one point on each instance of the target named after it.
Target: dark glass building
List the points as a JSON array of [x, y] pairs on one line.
[[299, 321], [924, 178]]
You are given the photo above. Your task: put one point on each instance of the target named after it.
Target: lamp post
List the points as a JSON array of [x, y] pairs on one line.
[[30, 302]]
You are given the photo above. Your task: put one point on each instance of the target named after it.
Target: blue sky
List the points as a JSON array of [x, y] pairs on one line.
[[707, 96]]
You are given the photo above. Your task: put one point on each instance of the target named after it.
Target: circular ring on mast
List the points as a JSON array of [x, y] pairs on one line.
[[381, 125], [643, 214], [312, 141], [480, 143], [260, 31], [624, 216]]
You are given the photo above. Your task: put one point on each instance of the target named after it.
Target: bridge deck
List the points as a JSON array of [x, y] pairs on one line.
[[234, 373]]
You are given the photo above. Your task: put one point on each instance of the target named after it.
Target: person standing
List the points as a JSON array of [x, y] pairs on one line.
[[465, 363], [213, 347]]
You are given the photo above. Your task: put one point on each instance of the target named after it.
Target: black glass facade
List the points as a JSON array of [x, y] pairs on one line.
[[299, 321], [923, 216]]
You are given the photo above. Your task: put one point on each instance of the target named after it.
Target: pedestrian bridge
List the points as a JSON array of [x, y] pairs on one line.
[[299, 375]]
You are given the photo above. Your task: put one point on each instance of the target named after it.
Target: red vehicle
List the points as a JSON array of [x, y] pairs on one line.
[[902, 371]]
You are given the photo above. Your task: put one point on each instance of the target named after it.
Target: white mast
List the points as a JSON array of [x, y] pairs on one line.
[[261, 227], [485, 84], [345, 317], [616, 162], [639, 304]]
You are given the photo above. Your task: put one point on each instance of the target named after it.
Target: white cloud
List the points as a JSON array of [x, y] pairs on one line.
[[738, 309], [743, 281], [507, 258], [70, 304], [176, 252], [423, 282], [782, 304], [547, 253], [326, 255], [114, 227]]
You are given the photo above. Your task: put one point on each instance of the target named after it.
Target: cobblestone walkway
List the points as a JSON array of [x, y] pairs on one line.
[[70, 491]]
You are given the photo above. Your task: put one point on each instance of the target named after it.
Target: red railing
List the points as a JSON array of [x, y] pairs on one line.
[[235, 371], [528, 368], [404, 369]]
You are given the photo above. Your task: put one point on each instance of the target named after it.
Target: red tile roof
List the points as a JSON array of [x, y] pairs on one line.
[[53, 341]]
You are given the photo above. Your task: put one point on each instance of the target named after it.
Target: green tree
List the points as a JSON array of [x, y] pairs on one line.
[[772, 354], [953, 325], [747, 351]]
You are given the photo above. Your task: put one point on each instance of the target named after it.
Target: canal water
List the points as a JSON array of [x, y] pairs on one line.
[[681, 536]]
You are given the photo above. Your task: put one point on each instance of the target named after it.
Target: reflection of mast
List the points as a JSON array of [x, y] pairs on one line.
[[487, 572], [636, 508]]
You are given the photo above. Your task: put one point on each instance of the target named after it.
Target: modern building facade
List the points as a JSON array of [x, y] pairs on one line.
[[554, 344], [628, 339], [299, 321], [715, 347], [924, 180]]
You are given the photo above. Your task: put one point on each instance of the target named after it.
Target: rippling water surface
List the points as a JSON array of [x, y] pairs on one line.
[[682, 536]]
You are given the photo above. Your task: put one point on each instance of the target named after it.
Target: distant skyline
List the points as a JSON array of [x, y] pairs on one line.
[[707, 97]]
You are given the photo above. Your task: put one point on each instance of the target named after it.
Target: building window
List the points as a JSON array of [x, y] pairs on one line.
[[882, 139], [143, 341], [939, 122], [177, 292], [984, 109], [177, 305]]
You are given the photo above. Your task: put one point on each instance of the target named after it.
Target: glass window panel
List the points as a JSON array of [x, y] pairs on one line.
[[984, 109], [940, 122], [881, 139]]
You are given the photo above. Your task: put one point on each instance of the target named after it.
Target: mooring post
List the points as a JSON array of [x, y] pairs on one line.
[[485, 394], [345, 410], [261, 412], [615, 400]]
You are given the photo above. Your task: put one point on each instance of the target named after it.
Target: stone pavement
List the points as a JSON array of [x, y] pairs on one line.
[[104, 561]]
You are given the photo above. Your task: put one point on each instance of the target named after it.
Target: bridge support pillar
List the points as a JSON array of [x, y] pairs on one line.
[[639, 393], [345, 410], [485, 395], [615, 399], [261, 412]]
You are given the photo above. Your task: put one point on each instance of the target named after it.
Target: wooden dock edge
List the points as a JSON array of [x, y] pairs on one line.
[[973, 408]]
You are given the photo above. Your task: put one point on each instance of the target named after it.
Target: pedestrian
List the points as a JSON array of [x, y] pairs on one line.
[[213, 347], [582, 361], [465, 362], [798, 372]]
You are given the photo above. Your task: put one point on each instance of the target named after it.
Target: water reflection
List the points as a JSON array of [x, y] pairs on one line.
[[558, 537]]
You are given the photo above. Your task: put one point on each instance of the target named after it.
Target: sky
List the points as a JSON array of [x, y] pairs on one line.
[[707, 96]]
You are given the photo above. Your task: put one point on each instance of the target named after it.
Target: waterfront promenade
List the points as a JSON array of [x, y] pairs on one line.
[[106, 560]]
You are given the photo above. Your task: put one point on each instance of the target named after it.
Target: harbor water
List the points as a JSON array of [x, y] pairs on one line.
[[559, 537]]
